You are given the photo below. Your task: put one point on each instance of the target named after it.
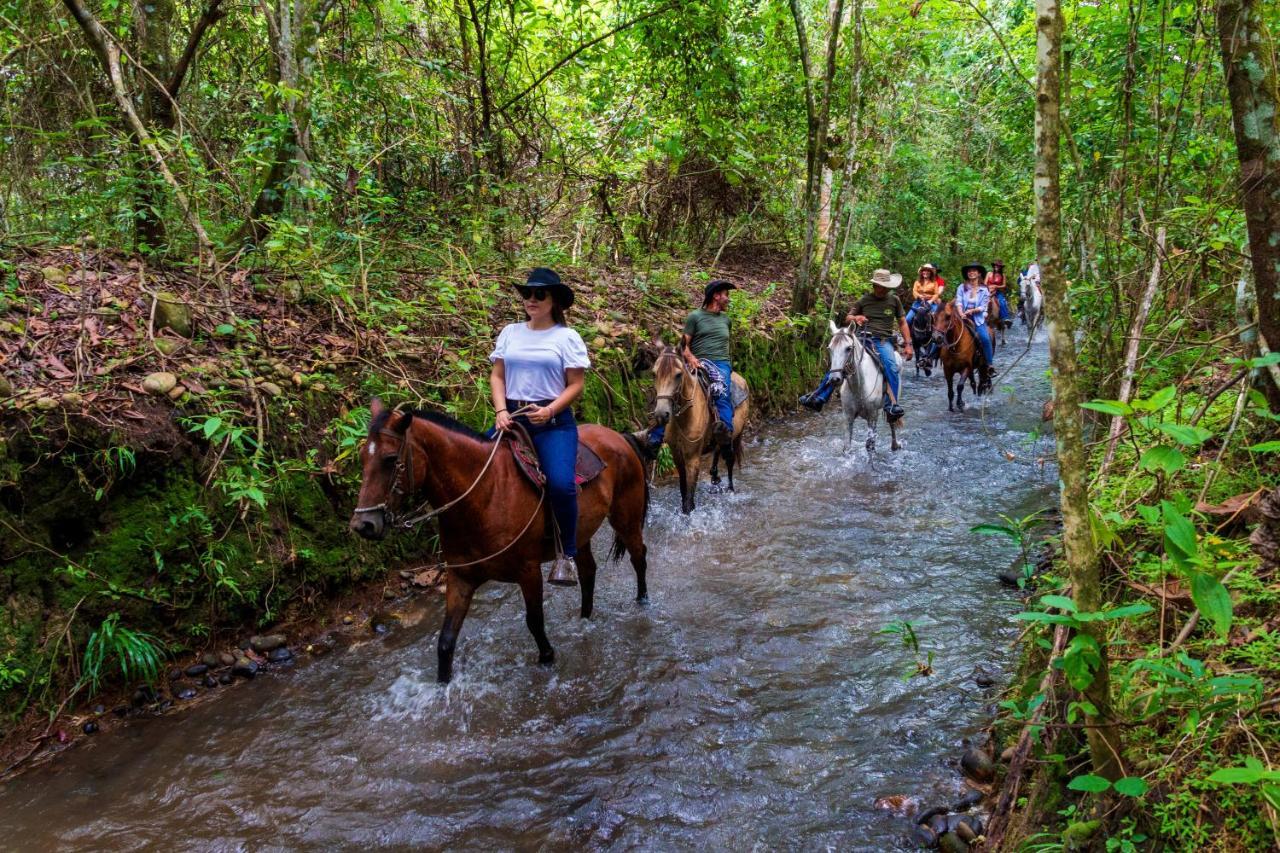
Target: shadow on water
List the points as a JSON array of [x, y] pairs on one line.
[[751, 703]]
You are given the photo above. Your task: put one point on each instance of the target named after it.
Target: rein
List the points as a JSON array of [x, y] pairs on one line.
[[678, 396]]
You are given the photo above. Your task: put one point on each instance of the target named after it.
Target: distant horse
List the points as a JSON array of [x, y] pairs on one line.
[[922, 340], [995, 323], [682, 407], [961, 355], [862, 391], [493, 521], [1032, 302]]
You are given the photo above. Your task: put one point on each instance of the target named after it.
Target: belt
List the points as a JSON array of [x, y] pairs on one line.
[[514, 405]]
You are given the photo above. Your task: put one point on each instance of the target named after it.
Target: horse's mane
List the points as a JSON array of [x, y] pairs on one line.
[[440, 419]]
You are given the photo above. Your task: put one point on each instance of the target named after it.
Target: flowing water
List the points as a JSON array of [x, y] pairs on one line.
[[752, 704]]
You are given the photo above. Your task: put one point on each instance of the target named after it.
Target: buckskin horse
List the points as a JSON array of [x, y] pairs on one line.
[[961, 354], [862, 391], [493, 521], [682, 407]]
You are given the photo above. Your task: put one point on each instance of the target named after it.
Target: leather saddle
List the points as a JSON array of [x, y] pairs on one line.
[[587, 467]]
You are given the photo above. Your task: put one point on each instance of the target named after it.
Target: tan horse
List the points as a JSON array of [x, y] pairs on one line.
[[493, 523], [683, 409]]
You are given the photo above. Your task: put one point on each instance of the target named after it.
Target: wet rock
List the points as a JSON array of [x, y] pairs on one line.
[[924, 836], [175, 674], [225, 678], [280, 655], [159, 383], [977, 766], [210, 681], [90, 728], [982, 677], [99, 709], [213, 659], [938, 823], [266, 642], [226, 658], [930, 814], [245, 668], [271, 389], [1010, 578], [172, 313], [176, 392], [968, 801], [381, 627], [121, 711], [196, 670], [184, 692], [949, 842], [144, 696], [348, 619]]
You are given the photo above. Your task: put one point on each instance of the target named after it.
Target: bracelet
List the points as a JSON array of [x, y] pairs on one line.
[[499, 411]]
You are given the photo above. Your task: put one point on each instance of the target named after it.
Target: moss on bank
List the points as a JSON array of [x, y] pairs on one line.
[[173, 515]]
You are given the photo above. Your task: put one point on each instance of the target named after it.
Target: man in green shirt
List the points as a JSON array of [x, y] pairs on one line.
[[706, 338], [880, 312]]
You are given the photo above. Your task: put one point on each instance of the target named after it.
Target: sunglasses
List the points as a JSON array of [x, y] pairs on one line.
[[537, 294]]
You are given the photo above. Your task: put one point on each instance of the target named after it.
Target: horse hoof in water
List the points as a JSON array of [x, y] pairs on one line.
[[642, 600]]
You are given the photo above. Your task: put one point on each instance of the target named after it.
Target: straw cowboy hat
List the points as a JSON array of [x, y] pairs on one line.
[[884, 278]]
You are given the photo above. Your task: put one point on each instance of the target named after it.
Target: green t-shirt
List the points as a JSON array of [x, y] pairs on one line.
[[882, 314], [708, 334]]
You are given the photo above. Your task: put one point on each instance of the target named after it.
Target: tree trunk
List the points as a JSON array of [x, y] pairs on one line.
[[1077, 537], [1251, 86], [854, 130]]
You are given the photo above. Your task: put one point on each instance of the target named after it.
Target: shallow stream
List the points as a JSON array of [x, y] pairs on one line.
[[752, 704]]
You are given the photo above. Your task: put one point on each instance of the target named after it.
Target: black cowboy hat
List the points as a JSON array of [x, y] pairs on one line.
[[546, 279], [714, 287], [964, 271]]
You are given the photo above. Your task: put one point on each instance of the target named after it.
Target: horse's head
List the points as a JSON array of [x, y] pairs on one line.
[[386, 471], [669, 375], [840, 346], [943, 320]]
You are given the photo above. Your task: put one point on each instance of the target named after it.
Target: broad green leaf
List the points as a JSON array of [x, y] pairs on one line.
[[1236, 776], [1212, 600], [1059, 601], [1108, 407], [1131, 786], [1166, 459], [1051, 618], [1081, 660], [1161, 398], [1135, 609], [1192, 436], [1179, 534], [1089, 782], [211, 426], [996, 529], [1266, 447]]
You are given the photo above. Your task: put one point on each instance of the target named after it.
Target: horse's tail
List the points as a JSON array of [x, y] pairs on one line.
[[619, 547]]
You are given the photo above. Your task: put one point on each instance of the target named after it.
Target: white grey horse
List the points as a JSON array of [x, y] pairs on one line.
[[1032, 301], [862, 391]]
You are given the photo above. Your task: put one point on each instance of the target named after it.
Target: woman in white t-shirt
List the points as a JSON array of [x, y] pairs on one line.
[[538, 371]]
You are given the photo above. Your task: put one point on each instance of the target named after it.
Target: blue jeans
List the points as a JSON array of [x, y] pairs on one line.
[[557, 444], [723, 404], [919, 304], [1004, 305], [984, 340], [888, 358]]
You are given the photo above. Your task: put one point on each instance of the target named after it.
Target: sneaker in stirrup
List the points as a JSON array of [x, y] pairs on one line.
[[563, 572], [811, 402]]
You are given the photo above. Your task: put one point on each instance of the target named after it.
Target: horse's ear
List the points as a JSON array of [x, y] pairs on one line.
[[401, 426], [832, 325], [376, 407]]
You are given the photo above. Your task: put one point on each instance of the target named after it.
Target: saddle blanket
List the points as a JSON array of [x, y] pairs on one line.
[[587, 467]]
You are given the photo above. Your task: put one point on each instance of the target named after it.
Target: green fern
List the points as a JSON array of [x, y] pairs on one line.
[[136, 654]]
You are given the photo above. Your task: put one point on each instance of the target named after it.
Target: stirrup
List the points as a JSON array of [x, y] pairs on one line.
[[563, 572]]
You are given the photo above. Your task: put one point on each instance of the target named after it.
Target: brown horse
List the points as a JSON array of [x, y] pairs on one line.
[[995, 325], [683, 408], [493, 522], [961, 354]]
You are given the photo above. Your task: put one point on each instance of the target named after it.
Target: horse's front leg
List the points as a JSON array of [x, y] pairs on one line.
[[531, 589], [715, 465], [458, 594], [731, 456], [693, 470], [893, 436], [960, 389], [586, 563], [951, 394], [872, 420]]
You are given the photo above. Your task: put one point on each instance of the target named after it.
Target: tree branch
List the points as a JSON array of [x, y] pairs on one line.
[[580, 48], [212, 14]]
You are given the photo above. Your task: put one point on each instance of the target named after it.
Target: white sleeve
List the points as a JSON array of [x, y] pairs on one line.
[[500, 348], [573, 352]]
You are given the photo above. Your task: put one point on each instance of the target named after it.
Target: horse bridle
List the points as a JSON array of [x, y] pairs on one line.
[[856, 340], [676, 395], [945, 329]]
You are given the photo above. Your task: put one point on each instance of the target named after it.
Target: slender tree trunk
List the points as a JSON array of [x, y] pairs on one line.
[[845, 188], [1251, 85], [1077, 537]]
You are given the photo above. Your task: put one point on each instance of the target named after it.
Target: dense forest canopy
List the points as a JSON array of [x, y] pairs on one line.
[[390, 161]]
